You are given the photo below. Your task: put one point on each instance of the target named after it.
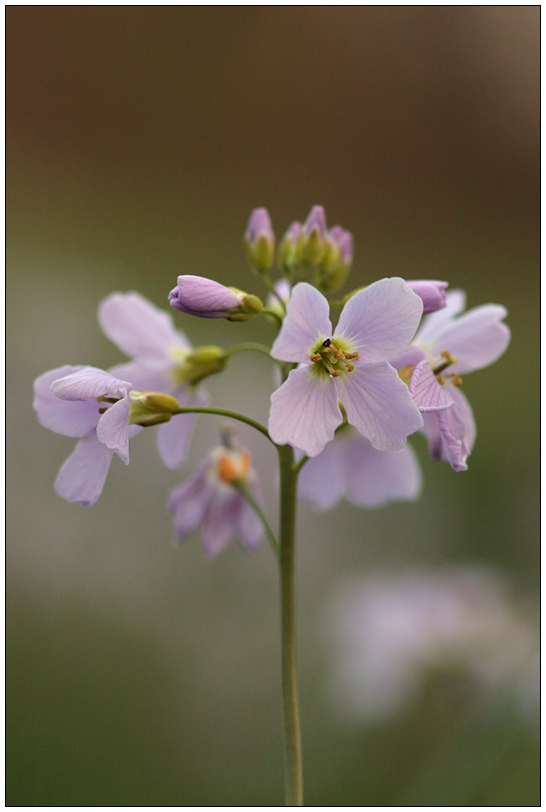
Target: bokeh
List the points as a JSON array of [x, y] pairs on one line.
[[139, 138]]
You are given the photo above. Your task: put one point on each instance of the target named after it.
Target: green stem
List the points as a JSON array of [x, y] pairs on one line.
[[292, 730], [271, 537], [225, 413], [271, 287], [249, 345], [299, 465]]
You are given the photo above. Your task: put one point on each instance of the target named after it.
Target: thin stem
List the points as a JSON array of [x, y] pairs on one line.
[[225, 413], [299, 465], [271, 287], [271, 537], [268, 312], [246, 346], [291, 714]]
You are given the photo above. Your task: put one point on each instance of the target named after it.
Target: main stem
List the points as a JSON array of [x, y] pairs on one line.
[[291, 712]]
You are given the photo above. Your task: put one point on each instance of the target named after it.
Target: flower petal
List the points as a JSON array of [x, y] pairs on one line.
[[83, 474], [88, 383], [380, 320], [476, 338], [451, 434], [408, 357], [174, 437], [138, 327], [307, 320], [428, 395], [147, 374], [71, 418], [112, 428], [219, 522], [379, 405], [189, 503], [374, 478], [322, 478], [248, 526], [304, 411], [435, 322]]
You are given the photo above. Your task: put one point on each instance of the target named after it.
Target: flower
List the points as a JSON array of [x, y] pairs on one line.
[[198, 296], [337, 259], [390, 632], [348, 365], [312, 241], [431, 292], [350, 467], [460, 344], [211, 500], [288, 249], [85, 402], [259, 241], [163, 361]]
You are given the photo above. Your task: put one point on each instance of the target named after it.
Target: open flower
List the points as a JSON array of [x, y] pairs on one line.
[[447, 346], [163, 361], [210, 500], [89, 403], [347, 365], [349, 467]]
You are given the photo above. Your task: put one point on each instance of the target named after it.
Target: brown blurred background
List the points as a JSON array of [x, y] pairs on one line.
[[139, 139]]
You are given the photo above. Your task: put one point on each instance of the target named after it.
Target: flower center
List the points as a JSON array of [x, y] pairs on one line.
[[332, 356], [445, 361]]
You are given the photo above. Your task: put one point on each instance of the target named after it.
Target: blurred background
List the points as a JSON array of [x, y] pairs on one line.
[[139, 139]]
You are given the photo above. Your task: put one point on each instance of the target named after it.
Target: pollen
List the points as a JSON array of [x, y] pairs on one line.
[[234, 467]]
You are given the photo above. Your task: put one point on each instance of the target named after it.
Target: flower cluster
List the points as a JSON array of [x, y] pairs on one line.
[[356, 377]]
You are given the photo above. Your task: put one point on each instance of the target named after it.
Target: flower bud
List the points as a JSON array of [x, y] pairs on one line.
[[431, 292], [337, 259], [259, 241], [313, 243], [150, 408], [198, 296], [288, 249]]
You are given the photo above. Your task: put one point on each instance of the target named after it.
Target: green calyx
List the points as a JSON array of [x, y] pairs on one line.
[[151, 408], [195, 366], [260, 253], [249, 306]]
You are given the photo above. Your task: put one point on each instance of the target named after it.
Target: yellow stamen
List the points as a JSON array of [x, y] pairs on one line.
[[457, 380]]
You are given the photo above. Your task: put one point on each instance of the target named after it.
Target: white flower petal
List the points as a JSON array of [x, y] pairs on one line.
[[307, 320], [138, 327], [380, 320], [83, 474], [374, 478], [304, 411], [322, 478], [435, 322], [476, 338], [71, 418], [88, 383], [112, 428], [428, 395], [379, 405]]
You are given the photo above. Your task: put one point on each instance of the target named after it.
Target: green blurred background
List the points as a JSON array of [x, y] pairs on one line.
[[139, 139]]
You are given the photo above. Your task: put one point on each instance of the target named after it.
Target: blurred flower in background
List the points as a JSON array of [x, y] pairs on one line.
[[390, 633]]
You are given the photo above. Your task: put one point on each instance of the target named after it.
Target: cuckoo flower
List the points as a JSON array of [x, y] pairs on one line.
[[91, 404], [210, 500], [347, 365], [432, 293], [163, 361], [447, 346], [350, 467], [198, 296]]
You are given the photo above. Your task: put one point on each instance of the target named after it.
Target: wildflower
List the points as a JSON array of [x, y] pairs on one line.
[[348, 365], [288, 249], [96, 406], [210, 500], [198, 296], [392, 632], [350, 467], [312, 241], [163, 361], [447, 346], [259, 241], [431, 292]]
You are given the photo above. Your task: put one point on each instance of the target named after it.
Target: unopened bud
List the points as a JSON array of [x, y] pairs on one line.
[[259, 241], [151, 408], [337, 259], [431, 292], [314, 232], [249, 305], [204, 361], [288, 249]]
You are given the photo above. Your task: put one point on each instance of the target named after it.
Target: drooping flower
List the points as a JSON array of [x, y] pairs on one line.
[[163, 361], [211, 501], [446, 346], [391, 632], [349, 467], [347, 365], [259, 240], [198, 296], [96, 406]]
